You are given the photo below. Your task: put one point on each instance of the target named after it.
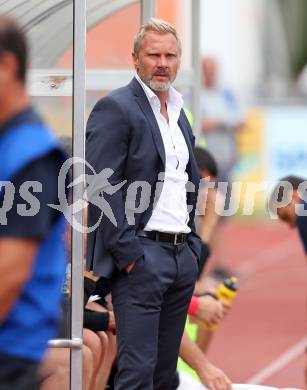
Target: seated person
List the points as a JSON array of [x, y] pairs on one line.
[[54, 372], [99, 318], [205, 307], [93, 319]]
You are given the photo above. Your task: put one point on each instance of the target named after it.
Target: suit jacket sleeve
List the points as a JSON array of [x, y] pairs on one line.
[[107, 147]]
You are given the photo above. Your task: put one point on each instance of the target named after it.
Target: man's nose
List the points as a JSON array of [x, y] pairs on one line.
[[162, 61]]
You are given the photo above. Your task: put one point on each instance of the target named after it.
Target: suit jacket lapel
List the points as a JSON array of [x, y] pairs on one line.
[[144, 104]]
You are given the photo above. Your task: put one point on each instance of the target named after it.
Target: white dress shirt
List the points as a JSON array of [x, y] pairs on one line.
[[170, 213]]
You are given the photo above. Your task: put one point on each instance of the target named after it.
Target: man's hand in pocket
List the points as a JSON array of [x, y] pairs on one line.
[[130, 267]]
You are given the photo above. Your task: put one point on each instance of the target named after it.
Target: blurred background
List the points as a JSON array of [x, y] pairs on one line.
[[257, 50]]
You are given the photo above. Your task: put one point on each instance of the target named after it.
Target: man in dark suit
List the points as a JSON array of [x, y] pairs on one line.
[[147, 245]]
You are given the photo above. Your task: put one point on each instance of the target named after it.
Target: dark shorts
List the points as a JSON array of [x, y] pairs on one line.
[[17, 373]]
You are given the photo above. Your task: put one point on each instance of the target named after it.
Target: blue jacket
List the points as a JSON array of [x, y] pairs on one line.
[[33, 319]]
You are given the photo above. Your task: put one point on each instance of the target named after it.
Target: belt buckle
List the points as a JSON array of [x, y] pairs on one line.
[[175, 240]]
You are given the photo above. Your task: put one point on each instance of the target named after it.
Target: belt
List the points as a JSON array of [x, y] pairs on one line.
[[172, 238]]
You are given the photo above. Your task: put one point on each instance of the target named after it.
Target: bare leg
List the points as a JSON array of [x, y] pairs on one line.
[[55, 369], [88, 367], [108, 343], [92, 341], [106, 366]]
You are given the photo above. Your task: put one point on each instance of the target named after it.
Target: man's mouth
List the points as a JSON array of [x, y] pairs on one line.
[[161, 75]]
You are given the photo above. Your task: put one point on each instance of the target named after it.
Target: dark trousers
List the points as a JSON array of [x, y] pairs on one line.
[[17, 373], [150, 305]]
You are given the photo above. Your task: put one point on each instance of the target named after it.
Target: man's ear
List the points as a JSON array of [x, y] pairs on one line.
[[9, 64], [135, 60]]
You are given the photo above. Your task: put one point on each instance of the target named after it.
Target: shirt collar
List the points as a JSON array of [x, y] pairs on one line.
[[26, 115], [151, 96], [174, 97]]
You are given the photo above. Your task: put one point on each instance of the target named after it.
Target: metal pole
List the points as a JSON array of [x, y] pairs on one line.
[[79, 96], [196, 65], [148, 10]]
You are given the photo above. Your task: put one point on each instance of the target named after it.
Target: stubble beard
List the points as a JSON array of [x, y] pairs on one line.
[[159, 87]]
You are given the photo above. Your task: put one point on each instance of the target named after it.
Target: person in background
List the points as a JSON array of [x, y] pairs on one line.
[[296, 198], [290, 204], [209, 375], [206, 219], [204, 306], [54, 372], [32, 254], [221, 120], [99, 318], [207, 224]]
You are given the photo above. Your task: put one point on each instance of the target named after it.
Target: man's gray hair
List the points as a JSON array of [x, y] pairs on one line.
[[159, 26]]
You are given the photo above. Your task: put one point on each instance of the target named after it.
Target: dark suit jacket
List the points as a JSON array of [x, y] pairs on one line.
[[123, 134]]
